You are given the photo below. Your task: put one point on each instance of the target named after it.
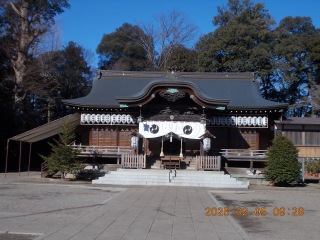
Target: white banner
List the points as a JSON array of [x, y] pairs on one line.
[[153, 129]]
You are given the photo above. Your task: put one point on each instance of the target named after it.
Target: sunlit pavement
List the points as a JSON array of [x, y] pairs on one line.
[[82, 211]]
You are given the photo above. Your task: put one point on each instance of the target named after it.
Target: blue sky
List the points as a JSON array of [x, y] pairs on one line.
[[87, 20]]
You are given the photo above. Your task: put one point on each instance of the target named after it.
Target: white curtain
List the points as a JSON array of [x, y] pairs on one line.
[[153, 129]]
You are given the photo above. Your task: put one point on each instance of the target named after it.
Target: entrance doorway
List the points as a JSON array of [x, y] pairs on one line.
[[173, 148]]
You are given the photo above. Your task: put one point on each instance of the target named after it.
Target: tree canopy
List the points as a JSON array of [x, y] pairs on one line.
[[285, 58], [241, 43], [182, 59], [119, 51], [25, 22]]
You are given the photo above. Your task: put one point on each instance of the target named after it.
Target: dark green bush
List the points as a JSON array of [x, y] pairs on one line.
[[283, 166], [90, 174]]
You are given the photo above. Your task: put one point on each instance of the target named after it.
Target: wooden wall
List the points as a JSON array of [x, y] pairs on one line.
[[235, 138], [226, 138], [308, 151], [110, 136]]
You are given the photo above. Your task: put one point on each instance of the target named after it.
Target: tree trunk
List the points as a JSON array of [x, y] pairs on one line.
[[19, 63]]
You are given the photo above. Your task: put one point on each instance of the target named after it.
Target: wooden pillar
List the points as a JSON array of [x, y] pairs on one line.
[[29, 158], [144, 154], [201, 148], [20, 159], [6, 166]]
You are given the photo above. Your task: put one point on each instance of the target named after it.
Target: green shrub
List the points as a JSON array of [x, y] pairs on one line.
[[63, 157], [283, 166], [90, 174], [313, 166]]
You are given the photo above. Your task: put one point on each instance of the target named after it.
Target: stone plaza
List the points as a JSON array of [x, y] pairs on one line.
[[35, 208]]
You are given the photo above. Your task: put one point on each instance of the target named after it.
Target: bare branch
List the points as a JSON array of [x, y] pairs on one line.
[[160, 37], [15, 9]]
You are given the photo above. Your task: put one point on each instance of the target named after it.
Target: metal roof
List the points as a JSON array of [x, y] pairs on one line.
[[47, 130], [240, 88], [299, 121]]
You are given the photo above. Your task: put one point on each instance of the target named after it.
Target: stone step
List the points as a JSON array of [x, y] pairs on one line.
[[167, 176], [212, 185], [166, 170], [178, 170], [186, 178], [115, 181], [191, 178]]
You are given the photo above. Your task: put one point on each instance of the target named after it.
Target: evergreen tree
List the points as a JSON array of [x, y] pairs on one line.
[[182, 59], [119, 50], [283, 166], [63, 157], [241, 43]]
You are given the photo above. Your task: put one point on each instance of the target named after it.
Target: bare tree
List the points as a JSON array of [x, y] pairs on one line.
[[160, 37]]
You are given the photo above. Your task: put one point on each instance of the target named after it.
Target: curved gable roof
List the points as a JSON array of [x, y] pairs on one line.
[[239, 90]]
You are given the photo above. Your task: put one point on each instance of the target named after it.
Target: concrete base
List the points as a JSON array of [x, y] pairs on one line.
[[241, 175], [111, 167]]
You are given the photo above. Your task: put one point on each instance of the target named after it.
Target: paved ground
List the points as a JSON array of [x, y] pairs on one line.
[[69, 210]]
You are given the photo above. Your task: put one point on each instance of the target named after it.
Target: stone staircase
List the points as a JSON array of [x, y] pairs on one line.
[[214, 179], [192, 164]]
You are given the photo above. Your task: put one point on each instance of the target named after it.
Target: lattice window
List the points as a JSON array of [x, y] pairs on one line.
[[107, 133], [312, 138], [294, 136], [94, 134]]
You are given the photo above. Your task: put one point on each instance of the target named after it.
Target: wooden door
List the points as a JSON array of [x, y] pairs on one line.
[[124, 139]]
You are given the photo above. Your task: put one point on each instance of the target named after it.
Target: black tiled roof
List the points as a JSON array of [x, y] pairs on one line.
[[239, 88]]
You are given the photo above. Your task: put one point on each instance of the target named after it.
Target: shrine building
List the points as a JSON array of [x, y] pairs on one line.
[[170, 114], [170, 120]]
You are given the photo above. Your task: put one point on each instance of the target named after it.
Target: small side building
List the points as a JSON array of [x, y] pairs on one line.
[[303, 132]]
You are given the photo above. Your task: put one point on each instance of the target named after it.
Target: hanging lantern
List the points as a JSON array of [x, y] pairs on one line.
[[223, 120], [87, 118], [254, 121], [113, 118], [98, 118], [203, 119], [134, 142], [218, 120], [118, 118], [108, 118], [103, 118], [129, 119], [244, 121], [92, 118], [259, 122], [264, 121], [83, 118], [123, 118], [213, 120], [233, 120], [206, 144], [140, 119], [228, 121]]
